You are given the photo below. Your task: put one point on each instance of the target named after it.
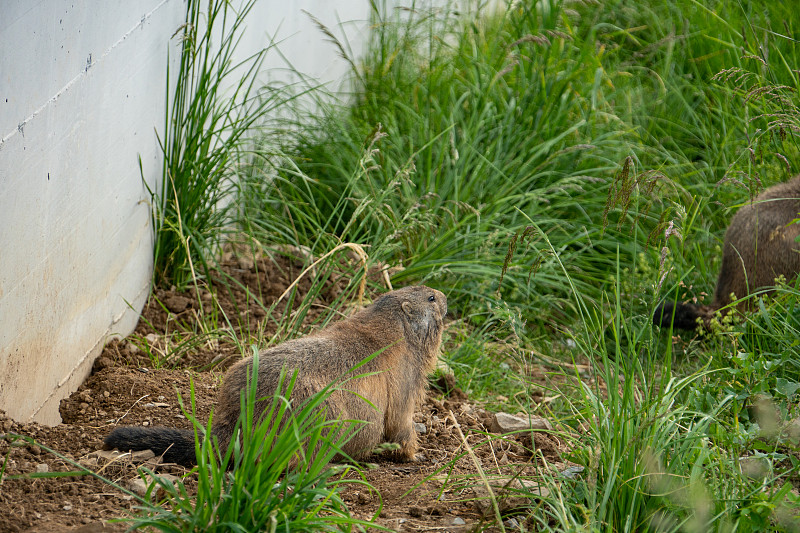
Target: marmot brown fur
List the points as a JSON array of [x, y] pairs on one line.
[[404, 328], [760, 246]]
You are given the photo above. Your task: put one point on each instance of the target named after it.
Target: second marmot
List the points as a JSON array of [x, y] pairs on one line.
[[760, 246]]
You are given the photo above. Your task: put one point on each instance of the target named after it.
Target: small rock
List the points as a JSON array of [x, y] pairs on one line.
[[84, 405], [151, 338], [106, 393], [138, 486], [105, 455], [34, 449], [420, 428], [142, 455], [41, 468], [88, 462], [133, 348], [67, 507], [458, 521], [512, 523], [363, 498], [506, 423], [168, 478]]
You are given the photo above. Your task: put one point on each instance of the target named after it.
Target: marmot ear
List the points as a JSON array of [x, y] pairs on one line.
[[407, 308]]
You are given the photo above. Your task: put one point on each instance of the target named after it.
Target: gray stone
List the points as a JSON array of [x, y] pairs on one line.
[[138, 485], [420, 428], [506, 423], [458, 521], [106, 455], [142, 455]]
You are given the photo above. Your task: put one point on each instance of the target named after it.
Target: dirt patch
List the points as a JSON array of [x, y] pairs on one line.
[[127, 388]]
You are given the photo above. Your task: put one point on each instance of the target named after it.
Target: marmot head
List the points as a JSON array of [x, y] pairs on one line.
[[421, 309]]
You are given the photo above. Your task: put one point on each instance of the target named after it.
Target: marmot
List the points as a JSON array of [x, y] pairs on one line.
[[404, 328], [760, 246]]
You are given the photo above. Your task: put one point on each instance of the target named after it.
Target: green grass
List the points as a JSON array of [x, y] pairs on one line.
[[279, 477], [555, 168], [528, 162], [215, 104]]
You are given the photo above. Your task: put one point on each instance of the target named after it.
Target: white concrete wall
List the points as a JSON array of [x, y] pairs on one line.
[[82, 88]]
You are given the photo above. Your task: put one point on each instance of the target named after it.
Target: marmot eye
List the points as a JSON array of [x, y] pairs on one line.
[[431, 298]]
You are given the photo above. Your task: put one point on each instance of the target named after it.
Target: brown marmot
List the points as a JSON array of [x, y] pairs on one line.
[[760, 246], [404, 328]]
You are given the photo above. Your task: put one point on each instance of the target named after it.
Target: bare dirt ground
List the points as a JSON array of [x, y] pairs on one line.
[[126, 389]]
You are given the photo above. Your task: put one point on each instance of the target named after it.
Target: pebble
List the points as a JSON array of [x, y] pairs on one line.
[[458, 521], [42, 468], [106, 455], [420, 428], [151, 338], [142, 455], [138, 486]]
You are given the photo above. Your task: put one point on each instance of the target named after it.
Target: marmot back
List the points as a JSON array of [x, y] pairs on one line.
[[403, 328], [760, 246]]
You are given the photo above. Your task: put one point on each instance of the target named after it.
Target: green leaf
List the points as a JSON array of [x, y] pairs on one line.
[[786, 388]]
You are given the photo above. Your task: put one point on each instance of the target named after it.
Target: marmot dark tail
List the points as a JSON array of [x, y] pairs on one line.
[[175, 445], [686, 316]]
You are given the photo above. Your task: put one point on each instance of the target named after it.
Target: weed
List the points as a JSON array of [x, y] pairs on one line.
[[214, 107], [275, 476]]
